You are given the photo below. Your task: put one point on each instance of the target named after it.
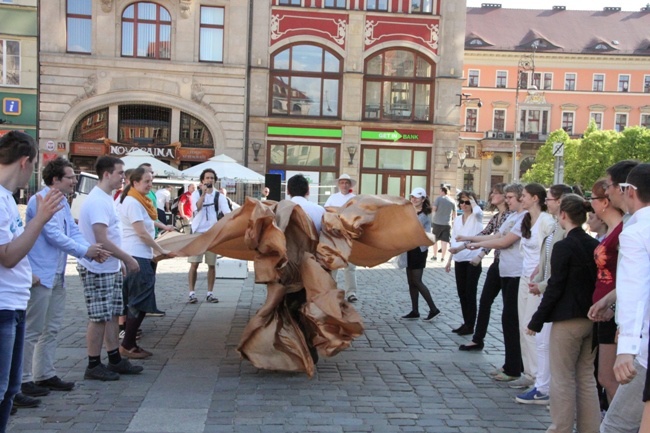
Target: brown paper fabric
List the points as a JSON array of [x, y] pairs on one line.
[[304, 312]]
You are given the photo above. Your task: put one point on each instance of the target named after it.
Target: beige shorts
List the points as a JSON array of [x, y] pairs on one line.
[[210, 258]]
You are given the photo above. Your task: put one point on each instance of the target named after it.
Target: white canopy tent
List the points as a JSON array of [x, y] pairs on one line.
[[137, 156], [226, 167]]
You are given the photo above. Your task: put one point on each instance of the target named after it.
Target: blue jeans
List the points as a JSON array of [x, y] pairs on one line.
[[12, 338]]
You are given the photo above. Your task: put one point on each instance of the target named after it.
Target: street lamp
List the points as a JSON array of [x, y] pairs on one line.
[[526, 63], [462, 155], [449, 155]]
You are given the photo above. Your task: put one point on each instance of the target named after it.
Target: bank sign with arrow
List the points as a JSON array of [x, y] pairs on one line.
[[395, 136]]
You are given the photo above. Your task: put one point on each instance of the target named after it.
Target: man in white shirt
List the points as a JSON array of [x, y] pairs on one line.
[[18, 156], [208, 207], [164, 198], [298, 189], [632, 306], [102, 282], [345, 184]]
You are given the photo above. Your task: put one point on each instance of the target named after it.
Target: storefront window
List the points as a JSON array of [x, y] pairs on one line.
[[144, 124], [394, 171]]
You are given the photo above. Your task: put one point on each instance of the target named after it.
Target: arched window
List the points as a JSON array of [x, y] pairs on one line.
[[398, 85], [92, 127], [194, 133], [146, 31], [305, 81]]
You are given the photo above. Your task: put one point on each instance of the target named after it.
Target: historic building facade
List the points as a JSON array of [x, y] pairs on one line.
[[573, 67], [18, 66], [365, 87], [320, 87], [167, 76]]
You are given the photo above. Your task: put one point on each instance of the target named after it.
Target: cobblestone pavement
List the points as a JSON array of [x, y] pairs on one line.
[[400, 376]]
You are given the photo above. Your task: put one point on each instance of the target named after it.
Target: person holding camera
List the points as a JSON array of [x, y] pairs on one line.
[[209, 206]]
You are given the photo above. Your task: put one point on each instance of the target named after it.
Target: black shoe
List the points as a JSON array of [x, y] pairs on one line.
[[412, 315], [22, 400], [432, 314], [476, 347], [457, 330], [125, 367], [55, 384], [466, 331], [100, 373], [13, 410], [33, 390], [157, 313]]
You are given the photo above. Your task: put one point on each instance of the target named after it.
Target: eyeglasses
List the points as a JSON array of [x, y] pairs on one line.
[[547, 199], [467, 202], [74, 176], [593, 197], [623, 186]]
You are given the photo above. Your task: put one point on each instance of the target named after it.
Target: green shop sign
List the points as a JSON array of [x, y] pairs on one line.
[[389, 136], [304, 132]]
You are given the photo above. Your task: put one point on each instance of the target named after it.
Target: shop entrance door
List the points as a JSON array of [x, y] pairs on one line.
[[394, 184]]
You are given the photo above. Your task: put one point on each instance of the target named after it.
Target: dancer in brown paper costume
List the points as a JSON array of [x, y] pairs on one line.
[[304, 312]]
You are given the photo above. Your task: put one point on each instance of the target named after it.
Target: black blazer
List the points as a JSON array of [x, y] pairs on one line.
[[573, 279]]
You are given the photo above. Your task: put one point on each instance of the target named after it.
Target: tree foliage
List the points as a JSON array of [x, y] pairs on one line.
[[586, 159]]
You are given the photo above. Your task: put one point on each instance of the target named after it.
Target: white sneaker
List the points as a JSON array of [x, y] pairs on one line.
[[192, 299], [524, 382]]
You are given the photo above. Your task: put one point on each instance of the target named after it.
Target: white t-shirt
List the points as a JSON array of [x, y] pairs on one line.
[[338, 199], [131, 211], [16, 281], [471, 227], [163, 196], [99, 208], [510, 258], [207, 217], [532, 246], [314, 211]]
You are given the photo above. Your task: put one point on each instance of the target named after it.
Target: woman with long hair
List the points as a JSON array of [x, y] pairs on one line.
[[467, 265], [606, 256], [137, 214], [492, 285], [416, 259], [535, 227], [566, 303], [510, 261]]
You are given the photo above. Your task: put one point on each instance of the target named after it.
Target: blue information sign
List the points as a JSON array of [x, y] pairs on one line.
[[11, 106]]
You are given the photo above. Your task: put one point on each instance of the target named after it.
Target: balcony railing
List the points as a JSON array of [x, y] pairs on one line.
[[509, 135]]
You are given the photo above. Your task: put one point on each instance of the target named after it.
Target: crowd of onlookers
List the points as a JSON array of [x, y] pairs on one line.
[[575, 305]]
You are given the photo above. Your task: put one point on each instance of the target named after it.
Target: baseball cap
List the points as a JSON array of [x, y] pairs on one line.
[[419, 193]]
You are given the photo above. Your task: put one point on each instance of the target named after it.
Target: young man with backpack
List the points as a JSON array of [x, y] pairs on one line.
[[208, 204]]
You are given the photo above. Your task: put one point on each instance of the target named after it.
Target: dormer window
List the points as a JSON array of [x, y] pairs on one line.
[[476, 42], [602, 46], [540, 44]]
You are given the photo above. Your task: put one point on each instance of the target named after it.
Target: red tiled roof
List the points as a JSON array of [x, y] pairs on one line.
[[565, 30]]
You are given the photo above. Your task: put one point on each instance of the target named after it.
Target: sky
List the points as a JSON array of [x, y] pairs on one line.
[[591, 5]]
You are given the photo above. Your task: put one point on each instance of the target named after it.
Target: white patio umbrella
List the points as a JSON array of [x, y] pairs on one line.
[[226, 167], [137, 156]]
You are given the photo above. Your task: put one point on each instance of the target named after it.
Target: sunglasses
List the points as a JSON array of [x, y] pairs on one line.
[[464, 202], [623, 186]]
